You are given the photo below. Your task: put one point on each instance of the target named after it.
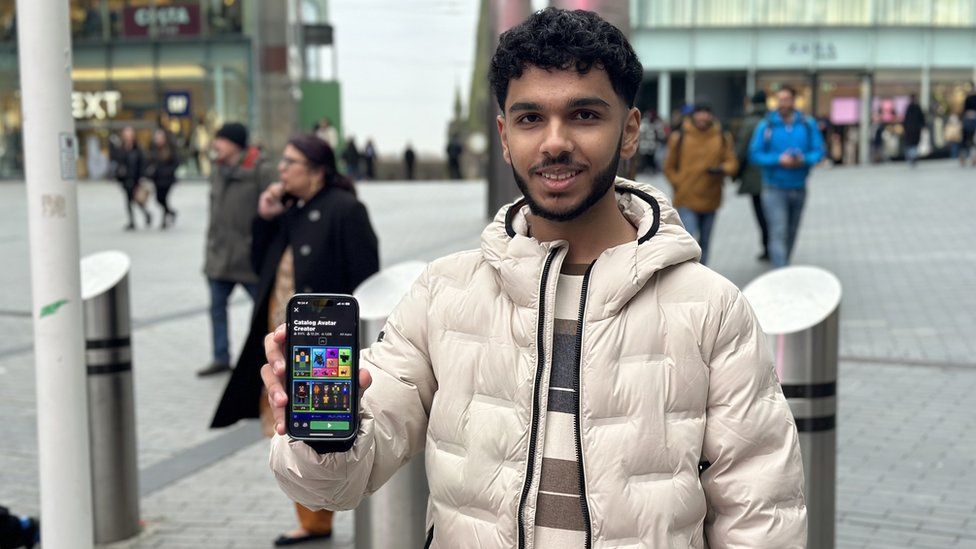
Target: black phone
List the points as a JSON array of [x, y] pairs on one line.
[[322, 369], [287, 199]]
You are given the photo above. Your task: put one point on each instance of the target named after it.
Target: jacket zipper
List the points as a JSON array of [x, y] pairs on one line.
[[533, 429], [579, 411]]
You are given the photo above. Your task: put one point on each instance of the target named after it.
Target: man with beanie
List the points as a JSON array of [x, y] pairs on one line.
[[750, 175], [236, 182]]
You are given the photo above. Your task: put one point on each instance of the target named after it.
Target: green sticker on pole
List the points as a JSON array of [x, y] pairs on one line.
[[52, 308]]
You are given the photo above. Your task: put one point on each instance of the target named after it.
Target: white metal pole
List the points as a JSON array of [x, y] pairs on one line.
[[50, 151]]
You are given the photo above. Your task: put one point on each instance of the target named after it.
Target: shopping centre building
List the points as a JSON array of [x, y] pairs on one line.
[[185, 65], [850, 60]]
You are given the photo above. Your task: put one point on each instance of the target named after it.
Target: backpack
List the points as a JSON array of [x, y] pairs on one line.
[[681, 138]]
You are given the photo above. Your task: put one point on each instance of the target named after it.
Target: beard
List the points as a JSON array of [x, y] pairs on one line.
[[602, 182]]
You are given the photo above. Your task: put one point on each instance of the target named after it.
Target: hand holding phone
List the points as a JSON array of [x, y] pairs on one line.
[[273, 376], [271, 203]]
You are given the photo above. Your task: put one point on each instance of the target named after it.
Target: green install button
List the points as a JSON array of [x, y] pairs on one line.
[[330, 425]]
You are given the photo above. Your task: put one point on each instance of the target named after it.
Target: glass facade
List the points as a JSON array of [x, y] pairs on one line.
[[820, 13], [180, 65]]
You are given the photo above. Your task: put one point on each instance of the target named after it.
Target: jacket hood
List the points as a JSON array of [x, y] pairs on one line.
[[617, 275]]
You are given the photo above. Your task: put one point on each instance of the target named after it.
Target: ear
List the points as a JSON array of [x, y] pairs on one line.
[[500, 120], [631, 134]]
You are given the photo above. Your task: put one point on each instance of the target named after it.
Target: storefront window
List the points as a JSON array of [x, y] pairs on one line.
[[86, 20], [8, 21], [225, 16], [11, 151]]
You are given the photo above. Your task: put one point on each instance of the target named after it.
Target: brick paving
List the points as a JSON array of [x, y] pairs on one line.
[[900, 241]]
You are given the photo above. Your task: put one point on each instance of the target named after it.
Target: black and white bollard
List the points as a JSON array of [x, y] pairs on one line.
[[111, 402]]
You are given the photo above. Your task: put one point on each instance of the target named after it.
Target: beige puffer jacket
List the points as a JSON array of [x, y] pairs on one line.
[[674, 371]]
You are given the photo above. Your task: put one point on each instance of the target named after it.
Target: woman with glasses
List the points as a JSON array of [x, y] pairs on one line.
[[312, 235]]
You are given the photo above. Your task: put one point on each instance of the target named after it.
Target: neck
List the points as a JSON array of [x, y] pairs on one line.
[[311, 191], [589, 235], [787, 116]]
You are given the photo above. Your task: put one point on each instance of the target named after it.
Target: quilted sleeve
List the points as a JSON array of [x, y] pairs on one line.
[[754, 483], [393, 418]]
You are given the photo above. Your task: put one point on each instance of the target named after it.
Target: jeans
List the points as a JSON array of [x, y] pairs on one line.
[[220, 290], [700, 226], [782, 208], [911, 155]]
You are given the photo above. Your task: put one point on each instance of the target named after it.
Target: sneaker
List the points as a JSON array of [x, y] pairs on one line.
[[214, 368]]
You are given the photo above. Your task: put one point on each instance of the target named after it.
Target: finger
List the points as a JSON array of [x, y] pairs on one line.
[[365, 380], [276, 397], [273, 351]]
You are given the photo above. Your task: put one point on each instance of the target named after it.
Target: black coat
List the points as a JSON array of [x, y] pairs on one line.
[[162, 166], [334, 249], [913, 123], [130, 166]]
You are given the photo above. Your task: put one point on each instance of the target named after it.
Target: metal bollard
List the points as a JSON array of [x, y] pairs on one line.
[[394, 516], [111, 403], [799, 309]]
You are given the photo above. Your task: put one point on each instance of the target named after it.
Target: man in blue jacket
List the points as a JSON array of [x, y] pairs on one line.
[[786, 144]]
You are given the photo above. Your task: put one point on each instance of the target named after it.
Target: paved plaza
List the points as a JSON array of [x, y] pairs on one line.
[[902, 242]]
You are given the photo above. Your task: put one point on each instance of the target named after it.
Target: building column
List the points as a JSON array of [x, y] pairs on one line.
[[690, 88], [925, 93], [750, 83], [664, 95], [864, 127]]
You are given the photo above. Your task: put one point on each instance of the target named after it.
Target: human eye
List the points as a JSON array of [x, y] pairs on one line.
[[531, 118], [586, 116]]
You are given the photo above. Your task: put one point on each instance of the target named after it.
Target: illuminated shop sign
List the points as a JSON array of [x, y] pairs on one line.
[[98, 105], [175, 20], [178, 103]]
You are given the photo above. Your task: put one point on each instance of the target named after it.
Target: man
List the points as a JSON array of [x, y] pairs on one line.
[[700, 156], [581, 380], [913, 123], [969, 129], [236, 182], [409, 159], [786, 144], [750, 177]]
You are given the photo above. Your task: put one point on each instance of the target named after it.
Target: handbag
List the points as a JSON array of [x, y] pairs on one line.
[[142, 192]]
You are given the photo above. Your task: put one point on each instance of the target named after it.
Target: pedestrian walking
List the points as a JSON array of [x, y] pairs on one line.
[[700, 156], [785, 145], [312, 235], [351, 157], [130, 167], [163, 162], [409, 161], [369, 158], [580, 380], [750, 175], [651, 139], [327, 132], [236, 182], [913, 124], [454, 150], [953, 134], [968, 148]]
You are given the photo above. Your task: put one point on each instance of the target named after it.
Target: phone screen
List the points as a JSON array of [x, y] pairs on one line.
[[323, 372]]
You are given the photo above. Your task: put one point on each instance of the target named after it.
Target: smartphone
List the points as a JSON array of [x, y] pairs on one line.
[[287, 199], [322, 373]]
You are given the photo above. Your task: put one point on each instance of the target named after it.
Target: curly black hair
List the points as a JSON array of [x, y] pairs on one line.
[[560, 39]]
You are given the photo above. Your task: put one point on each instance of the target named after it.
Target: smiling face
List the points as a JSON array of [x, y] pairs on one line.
[[564, 133]]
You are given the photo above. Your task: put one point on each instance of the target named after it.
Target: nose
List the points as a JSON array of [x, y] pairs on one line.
[[557, 140]]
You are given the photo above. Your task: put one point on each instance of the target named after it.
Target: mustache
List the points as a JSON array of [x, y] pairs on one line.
[[564, 160]]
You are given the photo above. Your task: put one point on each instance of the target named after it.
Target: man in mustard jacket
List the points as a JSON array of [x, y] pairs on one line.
[[581, 380], [700, 157]]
